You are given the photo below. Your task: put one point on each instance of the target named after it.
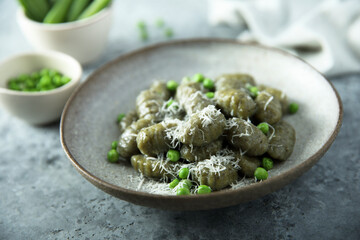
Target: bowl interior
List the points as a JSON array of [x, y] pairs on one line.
[[30, 62], [88, 122]]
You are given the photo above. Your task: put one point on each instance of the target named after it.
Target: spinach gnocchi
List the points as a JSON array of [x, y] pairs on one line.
[[203, 134]]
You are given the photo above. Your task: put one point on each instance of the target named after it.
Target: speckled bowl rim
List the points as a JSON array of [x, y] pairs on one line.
[[253, 191]]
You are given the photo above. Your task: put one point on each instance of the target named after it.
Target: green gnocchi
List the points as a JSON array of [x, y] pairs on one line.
[[210, 133]]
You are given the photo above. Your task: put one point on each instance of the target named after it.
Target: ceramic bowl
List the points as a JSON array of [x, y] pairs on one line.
[[85, 39], [38, 107], [88, 124]]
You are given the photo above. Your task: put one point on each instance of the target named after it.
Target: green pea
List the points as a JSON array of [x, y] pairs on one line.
[[120, 117], [42, 80], [254, 91], [53, 72], [35, 75], [12, 85], [174, 183], [183, 191], [57, 81], [208, 83], [186, 183], [113, 156], [29, 83], [141, 25], [44, 72], [203, 189], [143, 32], [172, 85], [261, 174], [293, 108], [198, 77], [13, 80], [114, 144], [44, 83], [184, 173], [65, 80], [172, 102], [47, 88], [144, 35], [210, 94], [23, 77], [267, 163], [173, 155], [160, 23], [168, 104], [168, 33], [264, 127]]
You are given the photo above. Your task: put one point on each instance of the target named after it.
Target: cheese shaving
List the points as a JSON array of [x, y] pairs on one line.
[[268, 101], [172, 133], [208, 115], [217, 163], [142, 179], [241, 183], [174, 110], [231, 123], [248, 131], [272, 133], [283, 95]]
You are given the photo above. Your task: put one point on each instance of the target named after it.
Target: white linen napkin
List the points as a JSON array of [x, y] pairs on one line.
[[325, 33]]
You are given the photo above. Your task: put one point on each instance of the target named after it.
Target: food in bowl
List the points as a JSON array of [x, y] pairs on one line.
[[205, 135], [42, 80], [38, 107], [69, 36]]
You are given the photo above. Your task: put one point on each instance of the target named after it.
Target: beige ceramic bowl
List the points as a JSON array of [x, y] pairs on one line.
[[85, 40], [38, 107]]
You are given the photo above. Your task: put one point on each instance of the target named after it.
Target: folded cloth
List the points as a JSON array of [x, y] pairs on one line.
[[325, 33]]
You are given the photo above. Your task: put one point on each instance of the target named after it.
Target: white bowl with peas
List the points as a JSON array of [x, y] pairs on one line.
[[35, 86], [53, 26]]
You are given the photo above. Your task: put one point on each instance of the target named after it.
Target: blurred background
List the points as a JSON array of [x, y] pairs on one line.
[[324, 32], [43, 197]]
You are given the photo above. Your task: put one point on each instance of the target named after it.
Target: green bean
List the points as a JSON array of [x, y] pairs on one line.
[[35, 9], [76, 8], [95, 7], [57, 13]]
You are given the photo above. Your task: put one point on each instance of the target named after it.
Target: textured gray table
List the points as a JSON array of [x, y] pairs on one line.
[[43, 197]]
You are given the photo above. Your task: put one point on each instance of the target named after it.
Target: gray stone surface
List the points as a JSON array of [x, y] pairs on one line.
[[43, 197]]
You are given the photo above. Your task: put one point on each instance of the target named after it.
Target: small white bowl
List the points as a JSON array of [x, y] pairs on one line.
[[85, 39], [38, 107]]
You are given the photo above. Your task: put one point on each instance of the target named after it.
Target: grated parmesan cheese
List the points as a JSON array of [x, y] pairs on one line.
[[273, 132], [268, 101], [231, 123], [174, 111], [241, 183], [217, 162], [208, 115]]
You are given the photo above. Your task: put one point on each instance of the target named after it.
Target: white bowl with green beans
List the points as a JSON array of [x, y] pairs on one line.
[[35, 86], [76, 27]]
